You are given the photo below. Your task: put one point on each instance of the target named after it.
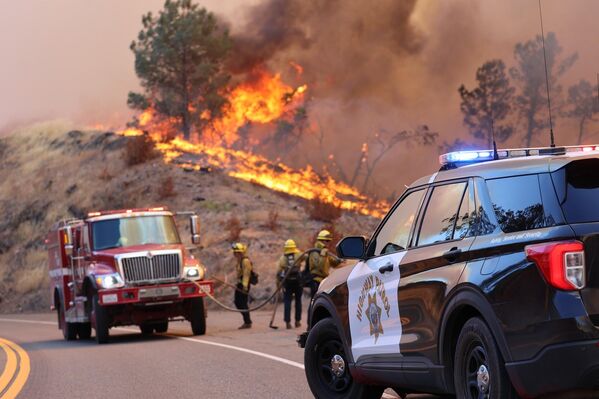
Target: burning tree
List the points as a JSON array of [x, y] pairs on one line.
[[487, 106], [530, 77], [179, 58]]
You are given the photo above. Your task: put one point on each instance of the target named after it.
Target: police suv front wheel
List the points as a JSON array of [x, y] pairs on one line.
[[479, 371], [326, 366]]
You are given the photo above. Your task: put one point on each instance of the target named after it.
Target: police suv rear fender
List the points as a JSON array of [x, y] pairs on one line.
[[466, 301]]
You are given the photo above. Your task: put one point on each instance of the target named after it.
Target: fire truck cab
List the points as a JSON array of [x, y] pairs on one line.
[[125, 267]]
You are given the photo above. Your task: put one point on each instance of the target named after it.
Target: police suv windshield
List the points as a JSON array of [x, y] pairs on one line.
[[139, 230]]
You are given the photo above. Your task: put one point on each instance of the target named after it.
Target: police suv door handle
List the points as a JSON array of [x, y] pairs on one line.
[[387, 268], [452, 255]]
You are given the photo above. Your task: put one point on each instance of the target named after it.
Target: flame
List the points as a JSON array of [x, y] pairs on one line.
[[263, 100]]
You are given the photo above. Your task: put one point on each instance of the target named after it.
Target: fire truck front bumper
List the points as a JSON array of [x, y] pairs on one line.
[[155, 293]]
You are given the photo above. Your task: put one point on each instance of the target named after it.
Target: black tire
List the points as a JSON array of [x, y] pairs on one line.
[[146, 329], [84, 330], [69, 330], [479, 370], [161, 327], [102, 319], [197, 317], [322, 346]]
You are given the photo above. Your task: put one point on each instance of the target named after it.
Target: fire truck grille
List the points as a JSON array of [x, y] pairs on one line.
[[141, 269]]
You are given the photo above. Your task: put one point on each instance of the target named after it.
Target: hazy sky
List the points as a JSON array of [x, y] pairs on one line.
[[71, 59]]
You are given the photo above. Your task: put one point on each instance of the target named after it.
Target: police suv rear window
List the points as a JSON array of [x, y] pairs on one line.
[[517, 203], [577, 187]]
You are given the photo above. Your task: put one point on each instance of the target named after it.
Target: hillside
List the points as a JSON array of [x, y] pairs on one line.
[[50, 171]]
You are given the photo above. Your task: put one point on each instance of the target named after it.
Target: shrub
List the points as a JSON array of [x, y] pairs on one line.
[[105, 175], [233, 226], [140, 149], [322, 211], [166, 188], [272, 221]]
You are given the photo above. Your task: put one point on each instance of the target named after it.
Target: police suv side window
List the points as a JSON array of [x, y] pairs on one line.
[[442, 213], [395, 233], [517, 203]]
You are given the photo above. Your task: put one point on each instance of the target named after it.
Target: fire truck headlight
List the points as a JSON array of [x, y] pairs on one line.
[[108, 281], [194, 272]]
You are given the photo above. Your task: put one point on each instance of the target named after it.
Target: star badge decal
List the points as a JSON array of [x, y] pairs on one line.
[[373, 313]]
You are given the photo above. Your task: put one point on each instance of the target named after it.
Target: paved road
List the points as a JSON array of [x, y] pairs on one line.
[[225, 363]]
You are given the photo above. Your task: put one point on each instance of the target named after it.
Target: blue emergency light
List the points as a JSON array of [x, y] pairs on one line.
[[459, 158]]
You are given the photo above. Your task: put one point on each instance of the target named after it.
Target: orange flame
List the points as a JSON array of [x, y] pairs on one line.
[[261, 101]]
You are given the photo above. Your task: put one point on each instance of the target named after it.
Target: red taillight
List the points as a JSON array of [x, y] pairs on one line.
[[562, 263]]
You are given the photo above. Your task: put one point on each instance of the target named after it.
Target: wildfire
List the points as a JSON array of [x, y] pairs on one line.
[[263, 100]]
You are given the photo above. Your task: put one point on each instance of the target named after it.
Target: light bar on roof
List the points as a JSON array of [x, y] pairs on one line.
[[467, 157]]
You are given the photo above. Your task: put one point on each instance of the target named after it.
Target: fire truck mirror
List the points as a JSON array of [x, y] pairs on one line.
[[194, 223], [68, 240]]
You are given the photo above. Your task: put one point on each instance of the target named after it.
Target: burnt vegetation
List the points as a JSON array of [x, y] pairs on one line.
[[140, 149]]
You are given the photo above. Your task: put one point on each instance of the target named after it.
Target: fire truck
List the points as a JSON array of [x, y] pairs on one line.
[[125, 267]]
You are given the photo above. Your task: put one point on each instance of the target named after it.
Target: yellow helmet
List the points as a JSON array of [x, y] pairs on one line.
[[324, 235], [239, 247], [290, 247]]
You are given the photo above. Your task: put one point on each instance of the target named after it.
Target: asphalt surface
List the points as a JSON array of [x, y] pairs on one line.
[[225, 363]]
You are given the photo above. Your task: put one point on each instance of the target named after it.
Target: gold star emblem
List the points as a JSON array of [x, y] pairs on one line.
[[373, 313]]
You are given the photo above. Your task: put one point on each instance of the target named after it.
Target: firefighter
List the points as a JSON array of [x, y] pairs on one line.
[[244, 272], [321, 260], [292, 288]]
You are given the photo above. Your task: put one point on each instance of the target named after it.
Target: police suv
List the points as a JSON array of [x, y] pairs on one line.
[[482, 281]]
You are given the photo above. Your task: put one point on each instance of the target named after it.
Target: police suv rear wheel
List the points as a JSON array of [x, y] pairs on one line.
[[326, 366], [479, 371]]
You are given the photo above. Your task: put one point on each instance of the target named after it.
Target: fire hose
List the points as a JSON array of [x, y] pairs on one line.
[[269, 299]]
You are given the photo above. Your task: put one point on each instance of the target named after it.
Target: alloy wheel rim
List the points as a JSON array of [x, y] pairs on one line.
[[478, 376], [332, 368]]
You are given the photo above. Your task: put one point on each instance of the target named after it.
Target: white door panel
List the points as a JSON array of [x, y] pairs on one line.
[[375, 325]]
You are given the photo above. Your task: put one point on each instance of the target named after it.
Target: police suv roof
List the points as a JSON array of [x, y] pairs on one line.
[[506, 167]]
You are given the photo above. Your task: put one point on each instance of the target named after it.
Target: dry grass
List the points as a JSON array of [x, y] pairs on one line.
[[166, 188], [139, 149], [272, 221], [323, 212], [234, 228]]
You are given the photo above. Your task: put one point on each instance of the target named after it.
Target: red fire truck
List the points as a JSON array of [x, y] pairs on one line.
[[125, 267]]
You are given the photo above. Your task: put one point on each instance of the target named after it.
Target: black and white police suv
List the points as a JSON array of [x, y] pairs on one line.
[[482, 281]]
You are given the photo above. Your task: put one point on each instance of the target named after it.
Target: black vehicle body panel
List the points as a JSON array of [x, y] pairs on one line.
[[547, 337]]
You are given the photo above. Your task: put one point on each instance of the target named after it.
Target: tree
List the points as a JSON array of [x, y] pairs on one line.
[[582, 105], [487, 106], [376, 148], [529, 74], [179, 58]]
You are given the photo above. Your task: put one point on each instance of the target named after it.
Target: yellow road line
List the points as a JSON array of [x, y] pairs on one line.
[[23, 370], [11, 366]]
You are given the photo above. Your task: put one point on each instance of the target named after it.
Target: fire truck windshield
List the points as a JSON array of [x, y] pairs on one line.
[[139, 230]]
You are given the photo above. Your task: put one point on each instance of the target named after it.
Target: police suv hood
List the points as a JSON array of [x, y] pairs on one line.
[[338, 276]]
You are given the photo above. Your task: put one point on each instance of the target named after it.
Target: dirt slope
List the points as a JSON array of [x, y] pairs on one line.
[[49, 172]]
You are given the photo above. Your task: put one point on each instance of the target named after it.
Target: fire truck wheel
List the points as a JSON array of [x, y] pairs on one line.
[[84, 330], [69, 330], [161, 327], [146, 329], [197, 316], [101, 316]]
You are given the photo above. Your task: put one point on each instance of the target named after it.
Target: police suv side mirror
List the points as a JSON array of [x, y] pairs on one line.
[[352, 247], [194, 223], [68, 241]]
